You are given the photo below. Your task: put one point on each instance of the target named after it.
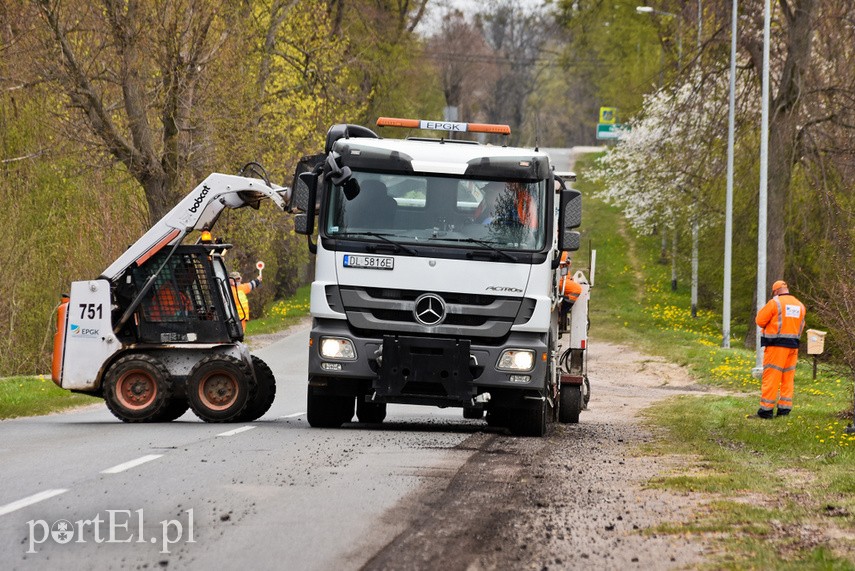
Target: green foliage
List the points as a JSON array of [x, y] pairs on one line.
[[616, 51], [281, 314]]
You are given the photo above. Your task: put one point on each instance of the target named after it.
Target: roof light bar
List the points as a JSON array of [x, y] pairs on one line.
[[444, 126]]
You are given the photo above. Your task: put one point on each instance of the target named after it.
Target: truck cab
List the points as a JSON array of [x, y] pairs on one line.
[[435, 277]]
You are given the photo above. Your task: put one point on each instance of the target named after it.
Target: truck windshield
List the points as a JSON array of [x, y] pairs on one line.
[[417, 208]]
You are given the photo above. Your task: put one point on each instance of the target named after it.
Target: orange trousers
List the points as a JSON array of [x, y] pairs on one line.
[[779, 374]]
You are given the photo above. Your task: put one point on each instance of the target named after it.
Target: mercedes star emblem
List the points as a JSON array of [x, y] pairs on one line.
[[429, 309]]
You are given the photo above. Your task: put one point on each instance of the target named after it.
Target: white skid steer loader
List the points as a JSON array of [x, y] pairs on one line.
[[158, 331]]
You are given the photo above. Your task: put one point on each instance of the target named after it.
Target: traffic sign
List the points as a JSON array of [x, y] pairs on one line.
[[607, 132], [608, 115]]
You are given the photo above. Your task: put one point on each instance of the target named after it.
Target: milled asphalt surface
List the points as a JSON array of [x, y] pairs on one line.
[[427, 490]]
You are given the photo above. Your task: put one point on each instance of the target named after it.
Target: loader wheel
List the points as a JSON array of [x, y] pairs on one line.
[[571, 404], [175, 409], [328, 411], [266, 391], [220, 388], [137, 389], [370, 412]]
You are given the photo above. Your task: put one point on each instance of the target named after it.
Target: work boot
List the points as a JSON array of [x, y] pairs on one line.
[[783, 412], [764, 414]]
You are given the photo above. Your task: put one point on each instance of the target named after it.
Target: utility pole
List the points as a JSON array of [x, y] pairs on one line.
[[764, 182], [728, 207]]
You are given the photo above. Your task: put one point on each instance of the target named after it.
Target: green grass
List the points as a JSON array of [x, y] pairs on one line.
[[281, 313], [29, 396], [798, 472]]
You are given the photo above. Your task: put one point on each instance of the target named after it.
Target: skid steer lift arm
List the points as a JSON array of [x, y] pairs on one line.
[[199, 210]]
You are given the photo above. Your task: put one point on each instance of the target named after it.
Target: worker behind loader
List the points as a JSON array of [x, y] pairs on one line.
[[239, 291]]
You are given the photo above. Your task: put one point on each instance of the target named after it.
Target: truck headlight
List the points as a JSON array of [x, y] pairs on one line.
[[516, 360], [337, 348]]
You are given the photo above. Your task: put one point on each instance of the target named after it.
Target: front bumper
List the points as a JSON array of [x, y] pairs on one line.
[[422, 369]]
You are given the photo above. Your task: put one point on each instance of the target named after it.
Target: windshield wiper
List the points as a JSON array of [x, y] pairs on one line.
[[483, 243], [383, 237]]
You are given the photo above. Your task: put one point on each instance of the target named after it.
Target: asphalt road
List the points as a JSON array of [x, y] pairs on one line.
[[82, 490]]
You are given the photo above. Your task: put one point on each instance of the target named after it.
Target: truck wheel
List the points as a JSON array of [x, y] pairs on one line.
[[370, 412], [497, 417], [137, 389], [571, 404], [266, 391], [220, 388], [472, 413], [328, 411], [530, 421]]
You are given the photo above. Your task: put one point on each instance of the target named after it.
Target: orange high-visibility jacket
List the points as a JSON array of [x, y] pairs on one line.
[[567, 287], [782, 320], [239, 292]]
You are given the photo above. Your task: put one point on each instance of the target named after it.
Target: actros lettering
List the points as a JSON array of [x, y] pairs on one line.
[[199, 199], [502, 288]]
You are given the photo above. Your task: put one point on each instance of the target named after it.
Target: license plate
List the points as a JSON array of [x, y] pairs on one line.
[[369, 262]]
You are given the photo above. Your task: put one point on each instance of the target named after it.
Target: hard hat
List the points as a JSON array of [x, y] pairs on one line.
[[779, 284], [235, 275]]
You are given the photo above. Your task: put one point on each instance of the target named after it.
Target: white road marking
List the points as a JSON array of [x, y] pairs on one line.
[[131, 464], [236, 431], [30, 500], [295, 415]]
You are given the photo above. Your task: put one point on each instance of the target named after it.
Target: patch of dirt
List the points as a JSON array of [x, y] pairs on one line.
[[576, 499]]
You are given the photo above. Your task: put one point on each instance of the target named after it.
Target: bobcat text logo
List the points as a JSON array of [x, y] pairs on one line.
[[199, 199]]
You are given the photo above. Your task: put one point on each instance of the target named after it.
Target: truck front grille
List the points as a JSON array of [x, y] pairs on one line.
[[469, 315]]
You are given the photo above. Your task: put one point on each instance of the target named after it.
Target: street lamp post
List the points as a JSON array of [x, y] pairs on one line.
[[651, 10], [728, 208]]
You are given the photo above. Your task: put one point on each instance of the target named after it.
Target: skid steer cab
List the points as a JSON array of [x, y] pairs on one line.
[[159, 332]]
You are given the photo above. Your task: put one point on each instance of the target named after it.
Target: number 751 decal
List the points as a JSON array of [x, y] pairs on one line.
[[91, 311]]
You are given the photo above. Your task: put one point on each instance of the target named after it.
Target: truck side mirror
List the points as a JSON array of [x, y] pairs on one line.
[[303, 200], [570, 216]]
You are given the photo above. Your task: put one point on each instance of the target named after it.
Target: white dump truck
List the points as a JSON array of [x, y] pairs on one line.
[[435, 278]]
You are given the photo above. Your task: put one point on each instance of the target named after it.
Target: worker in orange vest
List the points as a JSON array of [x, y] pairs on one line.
[[239, 291], [782, 320], [567, 287]]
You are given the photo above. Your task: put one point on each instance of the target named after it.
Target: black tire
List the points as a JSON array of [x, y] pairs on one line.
[[498, 417], [266, 393], [571, 404], [370, 412], [531, 420], [176, 409], [328, 411], [472, 413], [137, 388], [220, 388]]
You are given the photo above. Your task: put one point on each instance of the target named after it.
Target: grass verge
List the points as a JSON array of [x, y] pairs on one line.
[[781, 491], [30, 396], [282, 313], [35, 395]]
